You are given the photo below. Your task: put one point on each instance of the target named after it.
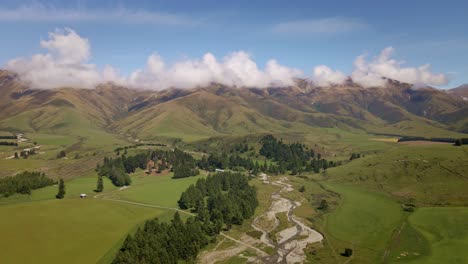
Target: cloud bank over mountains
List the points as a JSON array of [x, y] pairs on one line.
[[236, 69], [66, 63]]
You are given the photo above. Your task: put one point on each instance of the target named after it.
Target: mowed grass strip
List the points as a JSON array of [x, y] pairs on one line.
[[363, 219], [446, 229], [66, 231], [156, 190]]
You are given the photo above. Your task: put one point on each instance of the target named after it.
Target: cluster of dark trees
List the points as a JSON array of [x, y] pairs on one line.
[[8, 143], [165, 243], [461, 141], [323, 205], [119, 149], [61, 154], [347, 253], [181, 163], [25, 153], [236, 162], [7, 137], [219, 200], [455, 141], [117, 170], [222, 199], [224, 161], [23, 183], [240, 147], [184, 165], [408, 207], [293, 157], [354, 156]]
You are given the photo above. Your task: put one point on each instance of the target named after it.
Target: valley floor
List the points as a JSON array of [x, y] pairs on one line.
[[365, 213]]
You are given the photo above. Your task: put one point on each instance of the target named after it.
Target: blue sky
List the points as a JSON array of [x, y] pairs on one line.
[[298, 34]]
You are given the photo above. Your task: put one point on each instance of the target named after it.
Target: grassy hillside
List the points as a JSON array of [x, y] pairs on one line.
[[446, 229], [218, 110], [417, 172], [364, 221]]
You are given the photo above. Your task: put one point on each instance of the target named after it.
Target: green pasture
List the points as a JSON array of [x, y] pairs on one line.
[[446, 231], [69, 230], [363, 221], [157, 190], [432, 174], [75, 230]]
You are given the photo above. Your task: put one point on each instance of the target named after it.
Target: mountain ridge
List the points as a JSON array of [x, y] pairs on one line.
[[217, 109]]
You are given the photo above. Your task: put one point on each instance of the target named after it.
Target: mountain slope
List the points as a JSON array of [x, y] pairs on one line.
[[218, 110]]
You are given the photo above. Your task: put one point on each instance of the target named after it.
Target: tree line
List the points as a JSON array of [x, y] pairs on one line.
[[163, 243], [220, 201], [8, 143], [117, 150], [8, 137], [24, 183], [455, 141], [294, 157], [224, 161], [117, 169]]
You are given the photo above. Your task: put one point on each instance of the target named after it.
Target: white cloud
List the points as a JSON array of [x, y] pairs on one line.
[[236, 69], [324, 76], [67, 47], [330, 25], [65, 64], [42, 13], [371, 73]]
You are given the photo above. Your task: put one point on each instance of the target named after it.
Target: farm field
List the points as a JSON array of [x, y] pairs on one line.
[[158, 190], [364, 221], [93, 228], [446, 230], [75, 230]]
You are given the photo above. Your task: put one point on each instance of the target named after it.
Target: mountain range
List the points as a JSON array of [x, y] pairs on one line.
[[216, 110]]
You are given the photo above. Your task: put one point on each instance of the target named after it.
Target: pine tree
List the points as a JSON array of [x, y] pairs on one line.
[[100, 184], [61, 190]]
